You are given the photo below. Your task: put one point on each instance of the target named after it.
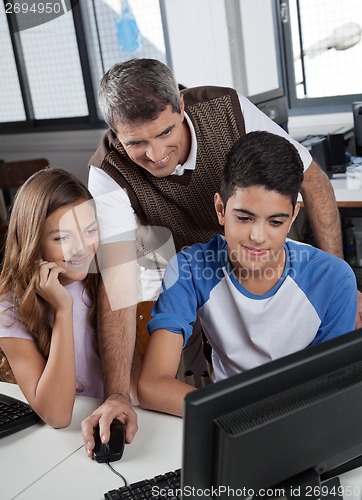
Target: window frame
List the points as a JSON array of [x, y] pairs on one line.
[[31, 124], [85, 50], [308, 105]]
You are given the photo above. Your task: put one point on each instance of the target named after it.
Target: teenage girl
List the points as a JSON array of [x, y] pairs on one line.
[[47, 296]]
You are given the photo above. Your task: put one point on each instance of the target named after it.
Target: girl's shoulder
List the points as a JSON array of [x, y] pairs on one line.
[[10, 321], [7, 304]]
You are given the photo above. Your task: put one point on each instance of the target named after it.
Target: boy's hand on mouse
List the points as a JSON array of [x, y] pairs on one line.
[[116, 406], [49, 287]]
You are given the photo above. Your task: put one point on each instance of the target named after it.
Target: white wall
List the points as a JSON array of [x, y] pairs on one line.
[[199, 42], [259, 46], [69, 150]]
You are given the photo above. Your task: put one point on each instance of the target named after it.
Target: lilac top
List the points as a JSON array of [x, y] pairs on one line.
[[87, 360]]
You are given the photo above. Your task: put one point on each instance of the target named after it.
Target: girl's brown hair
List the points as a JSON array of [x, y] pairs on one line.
[[41, 195]]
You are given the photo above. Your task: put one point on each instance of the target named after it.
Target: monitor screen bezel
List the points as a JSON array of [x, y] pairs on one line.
[[203, 406]]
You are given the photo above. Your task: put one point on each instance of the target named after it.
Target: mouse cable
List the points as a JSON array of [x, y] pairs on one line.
[[118, 473]]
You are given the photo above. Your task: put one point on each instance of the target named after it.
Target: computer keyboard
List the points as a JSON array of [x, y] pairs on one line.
[[168, 487], [15, 415], [159, 487]]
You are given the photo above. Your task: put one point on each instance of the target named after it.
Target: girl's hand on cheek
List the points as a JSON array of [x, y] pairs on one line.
[[49, 287]]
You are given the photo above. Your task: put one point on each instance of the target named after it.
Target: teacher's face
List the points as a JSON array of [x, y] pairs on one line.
[[157, 145]]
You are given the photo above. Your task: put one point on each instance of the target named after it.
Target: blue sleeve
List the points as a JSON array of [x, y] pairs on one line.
[[175, 309], [340, 316]]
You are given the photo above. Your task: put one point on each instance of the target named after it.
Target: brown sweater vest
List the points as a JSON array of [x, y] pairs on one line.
[[183, 204]]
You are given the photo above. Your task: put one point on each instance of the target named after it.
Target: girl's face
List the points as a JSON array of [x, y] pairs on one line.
[[70, 239]]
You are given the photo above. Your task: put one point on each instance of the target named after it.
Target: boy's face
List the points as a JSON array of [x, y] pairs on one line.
[[256, 223]]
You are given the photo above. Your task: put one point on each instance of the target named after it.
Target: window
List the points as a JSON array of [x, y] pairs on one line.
[[119, 30], [51, 66], [323, 53]]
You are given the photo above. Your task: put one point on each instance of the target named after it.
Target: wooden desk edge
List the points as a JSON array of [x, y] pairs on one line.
[[343, 204], [349, 204]]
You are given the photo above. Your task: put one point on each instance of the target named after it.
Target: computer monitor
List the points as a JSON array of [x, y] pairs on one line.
[[288, 420], [274, 105]]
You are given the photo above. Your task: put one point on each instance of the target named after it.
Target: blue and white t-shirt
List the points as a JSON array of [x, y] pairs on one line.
[[315, 300]]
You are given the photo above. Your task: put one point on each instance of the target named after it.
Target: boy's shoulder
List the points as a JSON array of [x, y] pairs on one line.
[[307, 252], [215, 250], [303, 257]]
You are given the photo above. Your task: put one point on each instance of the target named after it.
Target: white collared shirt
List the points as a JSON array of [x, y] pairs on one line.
[[190, 163]]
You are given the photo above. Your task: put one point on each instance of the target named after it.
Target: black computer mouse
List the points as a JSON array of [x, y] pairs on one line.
[[113, 450]]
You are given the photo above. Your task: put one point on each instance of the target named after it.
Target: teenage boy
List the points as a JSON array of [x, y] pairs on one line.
[[259, 295]]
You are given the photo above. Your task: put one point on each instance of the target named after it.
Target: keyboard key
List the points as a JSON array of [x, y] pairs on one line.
[[147, 488], [15, 415]]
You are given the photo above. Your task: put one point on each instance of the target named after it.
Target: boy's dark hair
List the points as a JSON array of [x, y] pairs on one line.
[[266, 160]]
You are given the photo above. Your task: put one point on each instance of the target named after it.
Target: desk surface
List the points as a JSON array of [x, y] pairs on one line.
[[40, 462], [43, 463], [348, 189]]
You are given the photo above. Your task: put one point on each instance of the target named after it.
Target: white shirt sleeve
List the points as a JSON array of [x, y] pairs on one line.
[[257, 120], [116, 217], [118, 222]]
